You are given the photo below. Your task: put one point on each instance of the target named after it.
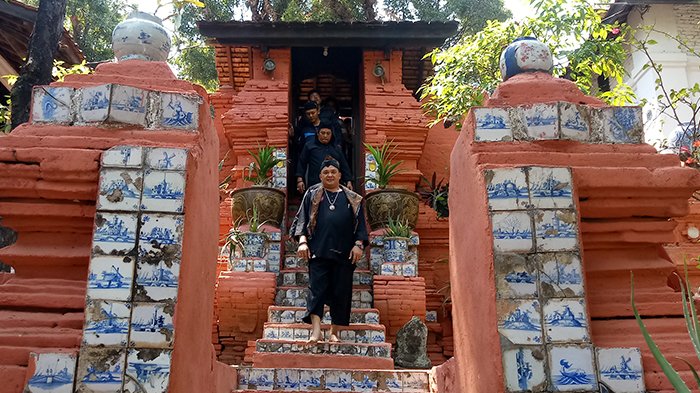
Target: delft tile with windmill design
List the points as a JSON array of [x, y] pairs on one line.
[[571, 368], [100, 370], [114, 234], [93, 106], [550, 187], [179, 111], [492, 125], [574, 122], [52, 104], [512, 231], [152, 325], [566, 320], [167, 159], [524, 369], [556, 230], [516, 276], [561, 274], [150, 368], [110, 277], [506, 188], [106, 323], [128, 105], [163, 191], [120, 190], [123, 157], [520, 321], [621, 369], [53, 373]]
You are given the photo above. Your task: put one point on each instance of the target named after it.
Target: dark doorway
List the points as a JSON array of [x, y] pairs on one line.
[[333, 72]]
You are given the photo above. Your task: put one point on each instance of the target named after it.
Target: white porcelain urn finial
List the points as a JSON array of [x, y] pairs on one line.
[[525, 54], [141, 36]]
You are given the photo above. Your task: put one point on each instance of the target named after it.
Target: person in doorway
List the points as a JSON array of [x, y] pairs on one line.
[[308, 127], [329, 115], [332, 234], [312, 156]]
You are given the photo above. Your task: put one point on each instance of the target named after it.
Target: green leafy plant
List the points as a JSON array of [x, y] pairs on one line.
[[386, 167], [398, 228], [234, 235], [435, 194], [254, 223], [263, 161]]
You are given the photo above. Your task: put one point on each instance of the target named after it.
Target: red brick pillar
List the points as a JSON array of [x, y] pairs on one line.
[[398, 299]]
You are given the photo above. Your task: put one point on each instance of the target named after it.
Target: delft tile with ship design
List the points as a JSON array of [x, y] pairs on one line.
[[114, 234], [565, 320], [93, 106], [287, 379], [550, 187], [338, 381], [152, 325], [561, 275], [620, 124], [160, 237], [157, 281], [556, 230], [163, 191], [167, 159], [542, 121], [128, 105], [311, 379], [53, 373], [512, 232], [492, 125], [372, 318], [123, 157], [100, 370], [179, 111], [150, 368], [520, 321], [573, 119], [571, 368], [516, 276], [506, 189], [119, 190], [524, 369], [415, 382], [52, 104], [106, 323], [365, 381], [110, 277], [621, 369], [261, 379]]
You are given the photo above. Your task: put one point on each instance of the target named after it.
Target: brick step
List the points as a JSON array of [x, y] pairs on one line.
[[291, 261], [9, 319], [329, 361], [359, 333], [12, 378], [372, 350], [300, 277], [314, 380], [290, 314], [296, 296]]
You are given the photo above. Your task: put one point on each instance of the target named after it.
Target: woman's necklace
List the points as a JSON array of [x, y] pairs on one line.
[[331, 203]]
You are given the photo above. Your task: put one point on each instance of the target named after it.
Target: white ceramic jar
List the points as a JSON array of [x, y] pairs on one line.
[[141, 36]]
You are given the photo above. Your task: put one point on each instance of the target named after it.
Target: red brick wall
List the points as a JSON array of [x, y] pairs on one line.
[[398, 299]]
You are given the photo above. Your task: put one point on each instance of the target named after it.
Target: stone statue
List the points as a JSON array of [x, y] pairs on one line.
[[411, 345]]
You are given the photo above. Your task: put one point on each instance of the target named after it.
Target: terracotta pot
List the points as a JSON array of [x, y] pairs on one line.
[[253, 244], [269, 203], [395, 249], [395, 203]]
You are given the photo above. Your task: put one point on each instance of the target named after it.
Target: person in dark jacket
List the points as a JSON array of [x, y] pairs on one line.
[[332, 234], [313, 154]]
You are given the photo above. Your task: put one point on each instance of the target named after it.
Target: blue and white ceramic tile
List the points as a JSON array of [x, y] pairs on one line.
[[524, 369], [492, 125], [414, 240], [338, 381], [238, 265], [571, 368], [542, 121], [565, 320], [347, 336], [287, 379], [52, 104], [392, 381], [54, 373], [259, 265], [279, 170], [377, 336], [372, 318], [110, 277], [160, 235], [574, 125], [106, 323], [310, 379], [302, 334], [556, 230], [271, 333], [280, 154], [168, 159], [179, 111], [159, 281], [120, 190], [100, 370], [431, 316], [286, 334], [123, 157], [415, 382], [562, 275], [94, 103], [273, 245], [621, 369], [520, 322], [128, 105], [512, 231], [551, 187], [243, 377], [152, 325], [409, 270], [163, 191], [516, 277], [152, 373], [370, 185], [115, 234], [287, 316], [275, 235], [364, 381], [388, 269], [622, 124], [261, 379], [506, 188]]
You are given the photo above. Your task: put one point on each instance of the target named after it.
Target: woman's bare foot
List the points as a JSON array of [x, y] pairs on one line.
[[314, 339], [334, 339]]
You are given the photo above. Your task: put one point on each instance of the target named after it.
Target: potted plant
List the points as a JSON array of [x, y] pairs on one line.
[[251, 242], [386, 202], [396, 239], [268, 201]]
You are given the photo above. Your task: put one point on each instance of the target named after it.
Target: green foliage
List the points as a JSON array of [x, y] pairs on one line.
[[398, 228], [386, 167], [263, 161], [435, 194], [5, 111], [582, 45]]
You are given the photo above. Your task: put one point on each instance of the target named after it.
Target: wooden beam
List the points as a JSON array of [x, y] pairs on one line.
[[6, 69], [229, 57]]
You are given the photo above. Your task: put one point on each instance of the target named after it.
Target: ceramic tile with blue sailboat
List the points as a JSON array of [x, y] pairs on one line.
[[93, 106], [160, 236], [106, 323], [574, 122], [261, 379], [571, 368], [524, 369], [338, 381], [128, 105], [311, 379], [621, 369], [516, 276], [492, 125], [507, 188], [561, 274], [550, 187], [163, 191], [364, 381], [415, 382], [287, 379], [100, 370], [123, 157], [53, 373], [166, 158], [157, 280], [566, 320], [119, 190], [179, 111], [110, 277], [520, 321], [512, 231], [542, 121], [151, 369], [556, 230], [152, 325], [114, 234], [52, 104]]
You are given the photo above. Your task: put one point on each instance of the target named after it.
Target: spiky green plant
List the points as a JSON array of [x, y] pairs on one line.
[[263, 161], [398, 228], [386, 167]]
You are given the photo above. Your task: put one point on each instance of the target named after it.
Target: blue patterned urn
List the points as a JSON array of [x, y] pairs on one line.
[[525, 54], [395, 249], [253, 244], [141, 36]]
